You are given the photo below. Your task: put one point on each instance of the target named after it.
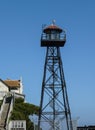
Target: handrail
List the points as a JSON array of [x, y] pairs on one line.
[[61, 37], [18, 95], [9, 112], [2, 106]]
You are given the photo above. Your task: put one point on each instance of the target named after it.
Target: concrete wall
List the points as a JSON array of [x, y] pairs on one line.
[[3, 90]]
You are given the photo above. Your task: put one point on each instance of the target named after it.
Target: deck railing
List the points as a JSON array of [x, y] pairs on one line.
[[53, 37]]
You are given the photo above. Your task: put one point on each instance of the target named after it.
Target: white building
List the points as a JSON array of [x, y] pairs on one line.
[[17, 125], [14, 86]]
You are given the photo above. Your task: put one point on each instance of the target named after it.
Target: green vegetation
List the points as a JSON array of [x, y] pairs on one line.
[[22, 110]]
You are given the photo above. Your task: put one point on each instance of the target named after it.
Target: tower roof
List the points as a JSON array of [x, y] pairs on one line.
[[52, 27]]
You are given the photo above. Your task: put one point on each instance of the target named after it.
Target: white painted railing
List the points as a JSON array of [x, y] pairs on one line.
[[13, 95], [17, 95], [2, 106], [9, 112]]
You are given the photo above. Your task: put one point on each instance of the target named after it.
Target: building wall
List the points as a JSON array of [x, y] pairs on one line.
[[3, 90], [18, 89], [17, 125], [15, 90]]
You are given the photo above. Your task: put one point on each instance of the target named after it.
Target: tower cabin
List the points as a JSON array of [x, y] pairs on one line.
[[53, 36]]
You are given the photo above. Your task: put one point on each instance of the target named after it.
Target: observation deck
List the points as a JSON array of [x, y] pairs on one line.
[[53, 41], [53, 36]]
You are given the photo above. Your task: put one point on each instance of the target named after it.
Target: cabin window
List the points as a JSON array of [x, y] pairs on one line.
[[53, 35], [48, 36]]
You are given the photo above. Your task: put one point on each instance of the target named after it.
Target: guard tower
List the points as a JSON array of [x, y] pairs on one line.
[[54, 111]]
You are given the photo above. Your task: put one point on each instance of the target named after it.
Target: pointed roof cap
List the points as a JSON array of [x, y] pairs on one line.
[[52, 27]]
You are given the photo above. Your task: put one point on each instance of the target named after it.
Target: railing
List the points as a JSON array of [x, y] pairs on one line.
[[9, 112], [17, 95], [2, 106], [50, 37], [10, 107]]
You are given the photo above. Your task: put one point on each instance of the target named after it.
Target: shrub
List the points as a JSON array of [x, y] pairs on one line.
[[22, 110]]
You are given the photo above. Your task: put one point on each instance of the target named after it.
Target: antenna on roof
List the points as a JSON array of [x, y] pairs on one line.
[[53, 22]]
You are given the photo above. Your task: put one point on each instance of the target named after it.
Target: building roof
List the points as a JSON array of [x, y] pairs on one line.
[[12, 83]]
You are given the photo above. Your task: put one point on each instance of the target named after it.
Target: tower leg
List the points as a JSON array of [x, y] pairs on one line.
[[54, 105]]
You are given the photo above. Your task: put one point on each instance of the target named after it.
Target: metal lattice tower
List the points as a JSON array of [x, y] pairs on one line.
[[54, 105]]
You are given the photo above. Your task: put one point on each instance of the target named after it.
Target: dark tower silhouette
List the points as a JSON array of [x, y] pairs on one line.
[[54, 105]]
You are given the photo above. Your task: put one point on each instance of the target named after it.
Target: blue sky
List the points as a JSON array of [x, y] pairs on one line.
[[21, 55]]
